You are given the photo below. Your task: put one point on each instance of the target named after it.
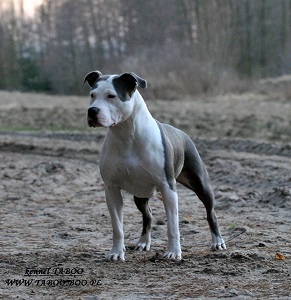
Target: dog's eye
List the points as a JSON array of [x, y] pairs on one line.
[[110, 96], [92, 96]]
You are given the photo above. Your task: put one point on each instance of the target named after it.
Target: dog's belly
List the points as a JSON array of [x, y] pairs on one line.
[[138, 188], [131, 176]]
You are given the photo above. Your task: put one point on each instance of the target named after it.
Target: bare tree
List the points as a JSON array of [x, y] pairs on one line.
[[187, 38]]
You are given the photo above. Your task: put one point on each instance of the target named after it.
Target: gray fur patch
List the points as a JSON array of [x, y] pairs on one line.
[[168, 154]]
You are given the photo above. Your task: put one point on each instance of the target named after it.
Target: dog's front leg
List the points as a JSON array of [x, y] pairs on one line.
[[115, 206], [170, 200]]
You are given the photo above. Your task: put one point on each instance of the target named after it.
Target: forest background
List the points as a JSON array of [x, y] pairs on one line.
[[180, 46]]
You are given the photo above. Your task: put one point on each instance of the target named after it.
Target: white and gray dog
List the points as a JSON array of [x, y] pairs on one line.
[[141, 155]]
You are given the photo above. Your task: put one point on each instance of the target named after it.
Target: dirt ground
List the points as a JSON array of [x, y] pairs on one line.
[[56, 230]]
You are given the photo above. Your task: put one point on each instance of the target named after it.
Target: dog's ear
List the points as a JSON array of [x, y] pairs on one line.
[[126, 84], [141, 82], [92, 77], [131, 81]]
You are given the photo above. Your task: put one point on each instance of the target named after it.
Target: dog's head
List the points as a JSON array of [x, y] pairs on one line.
[[111, 97]]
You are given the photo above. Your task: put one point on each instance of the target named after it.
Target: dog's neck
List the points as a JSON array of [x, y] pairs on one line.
[[139, 119]]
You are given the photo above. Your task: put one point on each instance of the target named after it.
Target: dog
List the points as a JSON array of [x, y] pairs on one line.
[[141, 155]]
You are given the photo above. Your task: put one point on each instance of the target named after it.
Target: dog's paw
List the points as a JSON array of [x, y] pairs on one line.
[[173, 255], [114, 255], [218, 243], [144, 243]]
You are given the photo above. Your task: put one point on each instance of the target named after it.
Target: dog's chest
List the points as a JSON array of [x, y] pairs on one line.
[[129, 173], [134, 170]]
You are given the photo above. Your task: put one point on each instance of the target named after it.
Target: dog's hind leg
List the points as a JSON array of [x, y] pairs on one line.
[[195, 177], [144, 242]]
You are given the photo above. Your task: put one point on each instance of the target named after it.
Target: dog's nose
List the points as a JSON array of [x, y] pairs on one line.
[[92, 112]]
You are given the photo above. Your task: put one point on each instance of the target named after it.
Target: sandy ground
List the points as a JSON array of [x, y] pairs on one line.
[[56, 230]]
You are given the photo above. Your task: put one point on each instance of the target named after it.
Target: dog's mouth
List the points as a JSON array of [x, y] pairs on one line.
[[95, 123]]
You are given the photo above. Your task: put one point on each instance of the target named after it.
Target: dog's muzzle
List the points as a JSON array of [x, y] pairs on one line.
[[92, 117]]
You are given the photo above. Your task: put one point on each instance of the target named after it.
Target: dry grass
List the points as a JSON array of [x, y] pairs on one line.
[[11, 100], [264, 113]]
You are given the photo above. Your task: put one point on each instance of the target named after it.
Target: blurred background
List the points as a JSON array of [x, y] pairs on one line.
[[179, 46]]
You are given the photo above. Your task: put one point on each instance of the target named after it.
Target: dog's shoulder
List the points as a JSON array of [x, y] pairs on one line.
[[175, 135]]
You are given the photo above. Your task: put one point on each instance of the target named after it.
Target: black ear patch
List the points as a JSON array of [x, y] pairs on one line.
[[126, 84], [92, 77]]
